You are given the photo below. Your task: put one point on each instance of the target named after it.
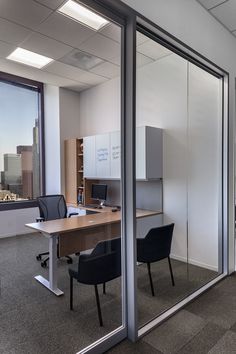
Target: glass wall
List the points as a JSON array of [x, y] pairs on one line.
[[70, 297], [178, 171]]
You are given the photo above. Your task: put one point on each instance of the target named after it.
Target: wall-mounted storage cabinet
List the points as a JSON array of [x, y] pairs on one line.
[[99, 157], [102, 154]]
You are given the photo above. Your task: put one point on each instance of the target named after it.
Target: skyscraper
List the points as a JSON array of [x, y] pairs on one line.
[[26, 170], [12, 177]]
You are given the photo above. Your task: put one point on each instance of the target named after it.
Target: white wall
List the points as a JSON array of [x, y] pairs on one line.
[[162, 102], [52, 140], [100, 109], [69, 124], [188, 21], [12, 221]]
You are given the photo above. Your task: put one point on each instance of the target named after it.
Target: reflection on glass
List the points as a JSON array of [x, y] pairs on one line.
[[177, 249]]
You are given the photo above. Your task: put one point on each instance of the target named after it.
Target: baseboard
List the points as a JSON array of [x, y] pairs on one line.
[[194, 262]]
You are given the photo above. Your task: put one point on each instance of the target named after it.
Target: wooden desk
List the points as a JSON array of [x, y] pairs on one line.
[[78, 234]]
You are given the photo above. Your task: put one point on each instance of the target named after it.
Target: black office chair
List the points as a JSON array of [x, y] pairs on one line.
[[99, 267], [154, 247], [52, 207]]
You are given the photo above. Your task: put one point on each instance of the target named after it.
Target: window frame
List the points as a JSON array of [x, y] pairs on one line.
[[38, 87]]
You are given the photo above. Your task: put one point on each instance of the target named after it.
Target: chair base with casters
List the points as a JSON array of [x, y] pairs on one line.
[[154, 247], [44, 262], [99, 267]]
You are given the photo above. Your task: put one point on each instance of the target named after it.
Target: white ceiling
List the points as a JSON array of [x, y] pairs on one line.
[[35, 25], [224, 11]]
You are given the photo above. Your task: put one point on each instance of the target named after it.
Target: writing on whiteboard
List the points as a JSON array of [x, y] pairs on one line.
[[102, 154], [115, 153]]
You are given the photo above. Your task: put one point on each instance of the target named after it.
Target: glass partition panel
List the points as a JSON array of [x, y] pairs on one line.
[[178, 177], [64, 281]]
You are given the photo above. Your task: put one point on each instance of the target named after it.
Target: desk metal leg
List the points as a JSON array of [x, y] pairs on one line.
[[52, 283]]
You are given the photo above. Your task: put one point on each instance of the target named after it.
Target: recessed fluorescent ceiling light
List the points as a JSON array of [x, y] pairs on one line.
[[82, 14], [29, 58]]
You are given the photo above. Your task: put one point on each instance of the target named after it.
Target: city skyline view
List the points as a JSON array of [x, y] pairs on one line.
[[18, 113]]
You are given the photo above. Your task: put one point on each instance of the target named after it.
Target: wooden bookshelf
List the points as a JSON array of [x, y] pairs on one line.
[[74, 166]]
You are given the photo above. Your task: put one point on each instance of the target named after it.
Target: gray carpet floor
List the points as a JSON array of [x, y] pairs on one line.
[[33, 320], [205, 326]]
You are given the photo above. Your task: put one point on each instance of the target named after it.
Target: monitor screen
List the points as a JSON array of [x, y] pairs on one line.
[[99, 191]]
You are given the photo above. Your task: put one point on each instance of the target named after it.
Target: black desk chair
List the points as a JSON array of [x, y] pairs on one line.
[[52, 207], [99, 267], [154, 247]]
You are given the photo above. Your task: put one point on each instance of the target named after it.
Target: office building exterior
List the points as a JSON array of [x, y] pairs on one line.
[[11, 176]]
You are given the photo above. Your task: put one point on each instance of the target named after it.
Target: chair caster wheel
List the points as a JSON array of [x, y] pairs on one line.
[[44, 264], [69, 261], [38, 258]]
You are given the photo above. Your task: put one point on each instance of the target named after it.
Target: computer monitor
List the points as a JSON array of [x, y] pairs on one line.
[[99, 192]]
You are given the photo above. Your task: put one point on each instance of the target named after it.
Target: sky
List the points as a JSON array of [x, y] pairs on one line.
[[18, 111]]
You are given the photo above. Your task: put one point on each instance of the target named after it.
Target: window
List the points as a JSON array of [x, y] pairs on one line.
[[20, 141]]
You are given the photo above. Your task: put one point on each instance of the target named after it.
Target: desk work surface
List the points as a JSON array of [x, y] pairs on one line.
[[84, 222]]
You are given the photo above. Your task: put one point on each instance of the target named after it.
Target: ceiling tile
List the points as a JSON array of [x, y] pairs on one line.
[[36, 74], [143, 60], [73, 73], [24, 12], [208, 4], [106, 69], [52, 4], [6, 49], [112, 31], [65, 30], [141, 38], [116, 60], [153, 50], [102, 47], [46, 46], [81, 59], [12, 33], [226, 14]]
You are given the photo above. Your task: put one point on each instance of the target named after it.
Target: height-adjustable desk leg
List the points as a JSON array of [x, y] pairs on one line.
[[52, 283]]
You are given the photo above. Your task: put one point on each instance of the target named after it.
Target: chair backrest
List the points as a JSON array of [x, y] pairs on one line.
[[52, 207], [102, 265], [156, 245]]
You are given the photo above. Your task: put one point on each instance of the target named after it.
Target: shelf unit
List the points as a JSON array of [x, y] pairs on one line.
[[74, 166]]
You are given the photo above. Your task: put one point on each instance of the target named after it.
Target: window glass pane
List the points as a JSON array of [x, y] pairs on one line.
[[19, 148]]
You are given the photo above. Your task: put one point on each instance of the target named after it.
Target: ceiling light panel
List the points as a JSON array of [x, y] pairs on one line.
[[27, 57], [83, 15]]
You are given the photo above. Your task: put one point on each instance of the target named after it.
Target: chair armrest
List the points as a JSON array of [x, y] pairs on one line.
[[39, 219], [71, 214]]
